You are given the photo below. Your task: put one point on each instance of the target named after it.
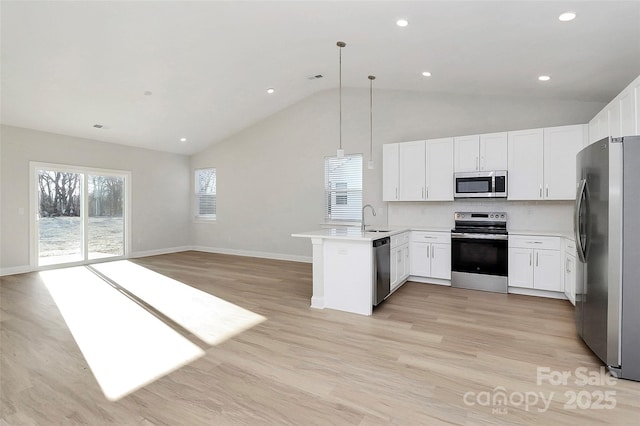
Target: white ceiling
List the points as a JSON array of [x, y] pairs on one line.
[[69, 65]]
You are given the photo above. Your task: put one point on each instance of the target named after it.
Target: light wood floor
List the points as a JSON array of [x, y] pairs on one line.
[[411, 363]]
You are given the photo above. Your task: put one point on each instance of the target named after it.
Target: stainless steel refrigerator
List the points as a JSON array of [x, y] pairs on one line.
[[607, 231]]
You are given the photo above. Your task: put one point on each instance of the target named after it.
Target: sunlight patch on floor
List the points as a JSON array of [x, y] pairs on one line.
[[208, 317], [125, 346]]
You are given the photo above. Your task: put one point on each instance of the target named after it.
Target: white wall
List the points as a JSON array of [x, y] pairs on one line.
[[160, 191], [270, 176]]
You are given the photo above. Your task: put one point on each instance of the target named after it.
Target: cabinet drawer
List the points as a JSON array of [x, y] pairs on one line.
[[534, 242], [399, 239], [431, 237]]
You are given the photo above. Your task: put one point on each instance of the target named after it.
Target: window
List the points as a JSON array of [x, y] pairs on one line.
[[343, 188], [205, 193]]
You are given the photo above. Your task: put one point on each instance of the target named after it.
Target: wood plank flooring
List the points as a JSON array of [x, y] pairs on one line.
[[429, 355]]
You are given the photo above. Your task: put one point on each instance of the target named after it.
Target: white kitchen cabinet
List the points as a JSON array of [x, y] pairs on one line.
[[542, 162], [439, 169], [484, 152], [561, 145], [535, 262], [570, 272], [412, 168], [390, 172], [399, 267], [525, 168], [621, 117], [467, 153], [424, 171], [430, 254]]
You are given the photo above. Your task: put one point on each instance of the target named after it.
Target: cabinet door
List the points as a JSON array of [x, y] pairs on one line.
[[570, 278], [420, 259], [407, 262], [441, 261], [439, 170], [561, 145], [390, 172], [394, 259], [412, 171], [493, 151], [521, 267], [466, 153], [636, 89], [525, 154], [614, 119], [627, 113], [548, 270]]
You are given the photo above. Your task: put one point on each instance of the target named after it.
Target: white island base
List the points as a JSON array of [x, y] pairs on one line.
[[343, 268]]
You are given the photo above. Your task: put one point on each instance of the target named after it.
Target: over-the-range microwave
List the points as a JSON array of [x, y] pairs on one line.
[[480, 184]]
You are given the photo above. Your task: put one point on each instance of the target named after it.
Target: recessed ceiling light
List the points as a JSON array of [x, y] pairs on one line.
[[148, 93], [98, 126], [426, 74], [544, 78], [567, 16], [402, 22], [183, 139], [270, 90]]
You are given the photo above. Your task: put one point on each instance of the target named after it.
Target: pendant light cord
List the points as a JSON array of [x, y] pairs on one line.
[[341, 45], [371, 78]]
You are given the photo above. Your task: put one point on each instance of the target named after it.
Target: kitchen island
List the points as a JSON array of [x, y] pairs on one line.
[[343, 260]]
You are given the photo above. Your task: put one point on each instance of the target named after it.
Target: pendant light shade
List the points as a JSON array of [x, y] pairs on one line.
[[370, 165], [340, 44]]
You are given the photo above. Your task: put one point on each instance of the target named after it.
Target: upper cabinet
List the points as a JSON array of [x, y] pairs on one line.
[[621, 117], [439, 173], [561, 145], [412, 171], [481, 152], [542, 162], [418, 171]]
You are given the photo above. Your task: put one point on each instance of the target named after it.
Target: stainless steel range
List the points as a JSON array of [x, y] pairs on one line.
[[479, 247]]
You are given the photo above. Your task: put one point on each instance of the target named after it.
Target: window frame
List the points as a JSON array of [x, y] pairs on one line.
[[338, 199], [204, 218]]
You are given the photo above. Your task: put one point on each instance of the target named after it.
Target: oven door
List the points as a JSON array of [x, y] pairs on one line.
[[484, 254]]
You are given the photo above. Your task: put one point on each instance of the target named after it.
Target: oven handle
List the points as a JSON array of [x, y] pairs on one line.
[[480, 236]]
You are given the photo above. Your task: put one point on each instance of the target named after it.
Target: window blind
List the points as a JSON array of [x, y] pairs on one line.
[[205, 192], [343, 188]]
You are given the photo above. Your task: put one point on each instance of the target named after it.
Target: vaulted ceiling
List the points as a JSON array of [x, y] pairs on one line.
[[153, 72]]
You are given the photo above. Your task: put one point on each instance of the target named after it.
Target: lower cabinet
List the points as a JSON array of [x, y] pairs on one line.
[[399, 259], [535, 262], [570, 270], [431, 254]]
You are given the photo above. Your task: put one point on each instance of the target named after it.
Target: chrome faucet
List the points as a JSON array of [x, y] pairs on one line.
[[372, 211]]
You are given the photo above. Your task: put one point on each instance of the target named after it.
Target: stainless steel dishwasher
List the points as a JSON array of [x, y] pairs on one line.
[[381, 269]]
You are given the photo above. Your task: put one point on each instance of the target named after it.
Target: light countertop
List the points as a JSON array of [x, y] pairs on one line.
[[353, 234]]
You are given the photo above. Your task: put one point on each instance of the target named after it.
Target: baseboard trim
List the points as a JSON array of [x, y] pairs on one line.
[[317, 302], [250, 253], [537, 293], [427, 280], [14, 270], [158, 252]]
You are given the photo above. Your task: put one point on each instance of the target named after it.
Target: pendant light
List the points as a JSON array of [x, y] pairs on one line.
[[340, 153], [370, 164]]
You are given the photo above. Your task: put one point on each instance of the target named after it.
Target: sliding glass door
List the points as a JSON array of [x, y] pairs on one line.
[[79, 214]]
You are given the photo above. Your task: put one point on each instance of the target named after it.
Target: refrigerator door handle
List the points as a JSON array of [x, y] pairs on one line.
[[576, 220]]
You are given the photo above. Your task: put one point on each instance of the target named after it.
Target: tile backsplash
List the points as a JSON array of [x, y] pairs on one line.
[[535, 216]]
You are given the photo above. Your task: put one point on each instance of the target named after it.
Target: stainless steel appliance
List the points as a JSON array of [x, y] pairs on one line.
[[479, 251], [480, 184], [607, 232], [381, 269]]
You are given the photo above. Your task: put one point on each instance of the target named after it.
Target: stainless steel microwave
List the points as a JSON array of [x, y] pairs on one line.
[[480, 184]]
